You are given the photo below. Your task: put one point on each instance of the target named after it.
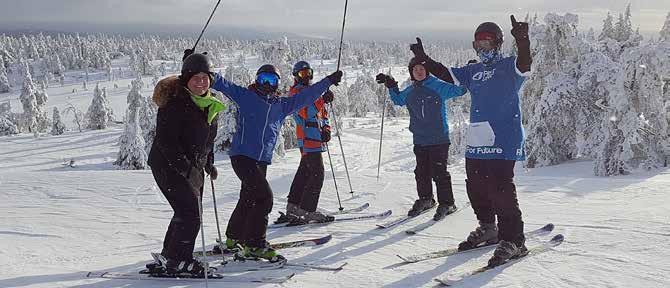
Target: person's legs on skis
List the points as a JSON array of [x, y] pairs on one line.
[[424, 185], [439, 158]]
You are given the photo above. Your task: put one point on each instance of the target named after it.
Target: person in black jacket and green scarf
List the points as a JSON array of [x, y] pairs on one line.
[[183, 147]]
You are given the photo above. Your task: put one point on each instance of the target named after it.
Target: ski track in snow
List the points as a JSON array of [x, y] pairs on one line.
[[57, 222]]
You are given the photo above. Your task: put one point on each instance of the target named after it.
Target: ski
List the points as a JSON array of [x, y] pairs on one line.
[[431, 222], [537, 249], [546, 229], [276, 246], [214, 278], [284, 219], [402, 219], [338, 219], [316, 267], [350, 210]]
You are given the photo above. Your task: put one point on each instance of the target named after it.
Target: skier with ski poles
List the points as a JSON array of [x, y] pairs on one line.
[[186, 127], [426, 100], [261, 113], [495, 135], [313, 131]]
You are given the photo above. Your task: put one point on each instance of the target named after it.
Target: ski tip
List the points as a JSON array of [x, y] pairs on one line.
[[548, 227], [557, 238], [388, 213], [410, 232], [444, 282], [325, 239]]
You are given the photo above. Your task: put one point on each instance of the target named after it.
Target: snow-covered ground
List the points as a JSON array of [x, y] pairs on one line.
[[58, 222]]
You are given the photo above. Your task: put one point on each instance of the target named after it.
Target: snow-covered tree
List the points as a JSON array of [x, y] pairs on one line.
[[99, 113], [132, 147], [34, 118], [636, 131], [57, 127], [4, 81], [665, 31], [7, 127], [227, 125], [362, 96], [132, 155], [608, 30]]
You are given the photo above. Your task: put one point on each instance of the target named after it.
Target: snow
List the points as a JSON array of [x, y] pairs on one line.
[[65, 209], [57, 222]]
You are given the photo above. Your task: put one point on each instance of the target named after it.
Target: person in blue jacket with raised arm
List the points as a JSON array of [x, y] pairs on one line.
[[261, 114], [426, 100]]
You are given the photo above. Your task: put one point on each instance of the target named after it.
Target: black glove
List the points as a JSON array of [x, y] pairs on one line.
[[212, 172], [335, 78], [417, 49], [325, 133], [519, 29], [328, 97], [387, 80], [187, 53]]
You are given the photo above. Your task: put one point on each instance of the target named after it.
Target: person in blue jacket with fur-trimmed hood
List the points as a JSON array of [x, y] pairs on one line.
[[426, 100], [261, 114]]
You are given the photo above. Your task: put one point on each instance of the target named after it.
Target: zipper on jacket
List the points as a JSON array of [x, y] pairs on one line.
[[267, 116], [423, 104], [242, 140]]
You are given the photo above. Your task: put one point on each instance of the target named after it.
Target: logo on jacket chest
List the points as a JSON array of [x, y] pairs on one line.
[[484, 75]]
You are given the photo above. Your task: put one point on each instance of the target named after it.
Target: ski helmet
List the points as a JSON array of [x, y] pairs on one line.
[[268, 68], [413, 62], [491, 28], [300, 65], [196, 63], [266, 82]]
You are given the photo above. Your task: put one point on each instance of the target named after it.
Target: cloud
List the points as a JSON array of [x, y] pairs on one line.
[[324, 16]]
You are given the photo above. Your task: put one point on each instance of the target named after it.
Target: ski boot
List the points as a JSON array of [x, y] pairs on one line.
[[230, 246], [485, 234], [420, 206], [188, 269], [443, 210], [312, 217], [153, 268], [255, 253], [505, 251], [293, 211]]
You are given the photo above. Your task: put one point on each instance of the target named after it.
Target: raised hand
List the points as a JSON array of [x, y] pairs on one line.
[[519, 29], [417, 49]]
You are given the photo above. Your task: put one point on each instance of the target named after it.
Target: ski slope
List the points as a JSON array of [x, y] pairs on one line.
[[59, 222]]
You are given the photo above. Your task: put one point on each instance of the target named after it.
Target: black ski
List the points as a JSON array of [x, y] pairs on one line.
[[338, 219], [534, 250], [214, 278], [546, 229], [431, 222]]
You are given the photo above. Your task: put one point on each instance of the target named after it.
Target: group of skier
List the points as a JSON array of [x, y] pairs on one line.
[[183, 148]]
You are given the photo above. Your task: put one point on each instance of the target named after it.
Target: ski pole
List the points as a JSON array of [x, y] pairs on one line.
[[332, 110], [206, 24], [381, 136], [216, 213], [337, 192], [202, 233]]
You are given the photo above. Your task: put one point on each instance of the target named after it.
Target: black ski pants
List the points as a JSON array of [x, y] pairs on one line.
[[307, 183], [249, 221], [185, 199], [431, 165], [491, 189]]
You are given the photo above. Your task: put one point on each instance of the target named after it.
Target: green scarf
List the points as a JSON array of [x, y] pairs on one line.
[[208, 101]]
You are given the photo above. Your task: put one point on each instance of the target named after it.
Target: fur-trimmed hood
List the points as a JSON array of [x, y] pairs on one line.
[[167, 89], [170, 88]]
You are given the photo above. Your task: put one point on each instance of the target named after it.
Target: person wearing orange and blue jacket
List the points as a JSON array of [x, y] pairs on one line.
[[312, 131]]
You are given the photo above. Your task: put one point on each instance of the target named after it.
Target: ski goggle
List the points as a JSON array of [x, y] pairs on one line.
[[484, 44], [267, 77], [305, 73]]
